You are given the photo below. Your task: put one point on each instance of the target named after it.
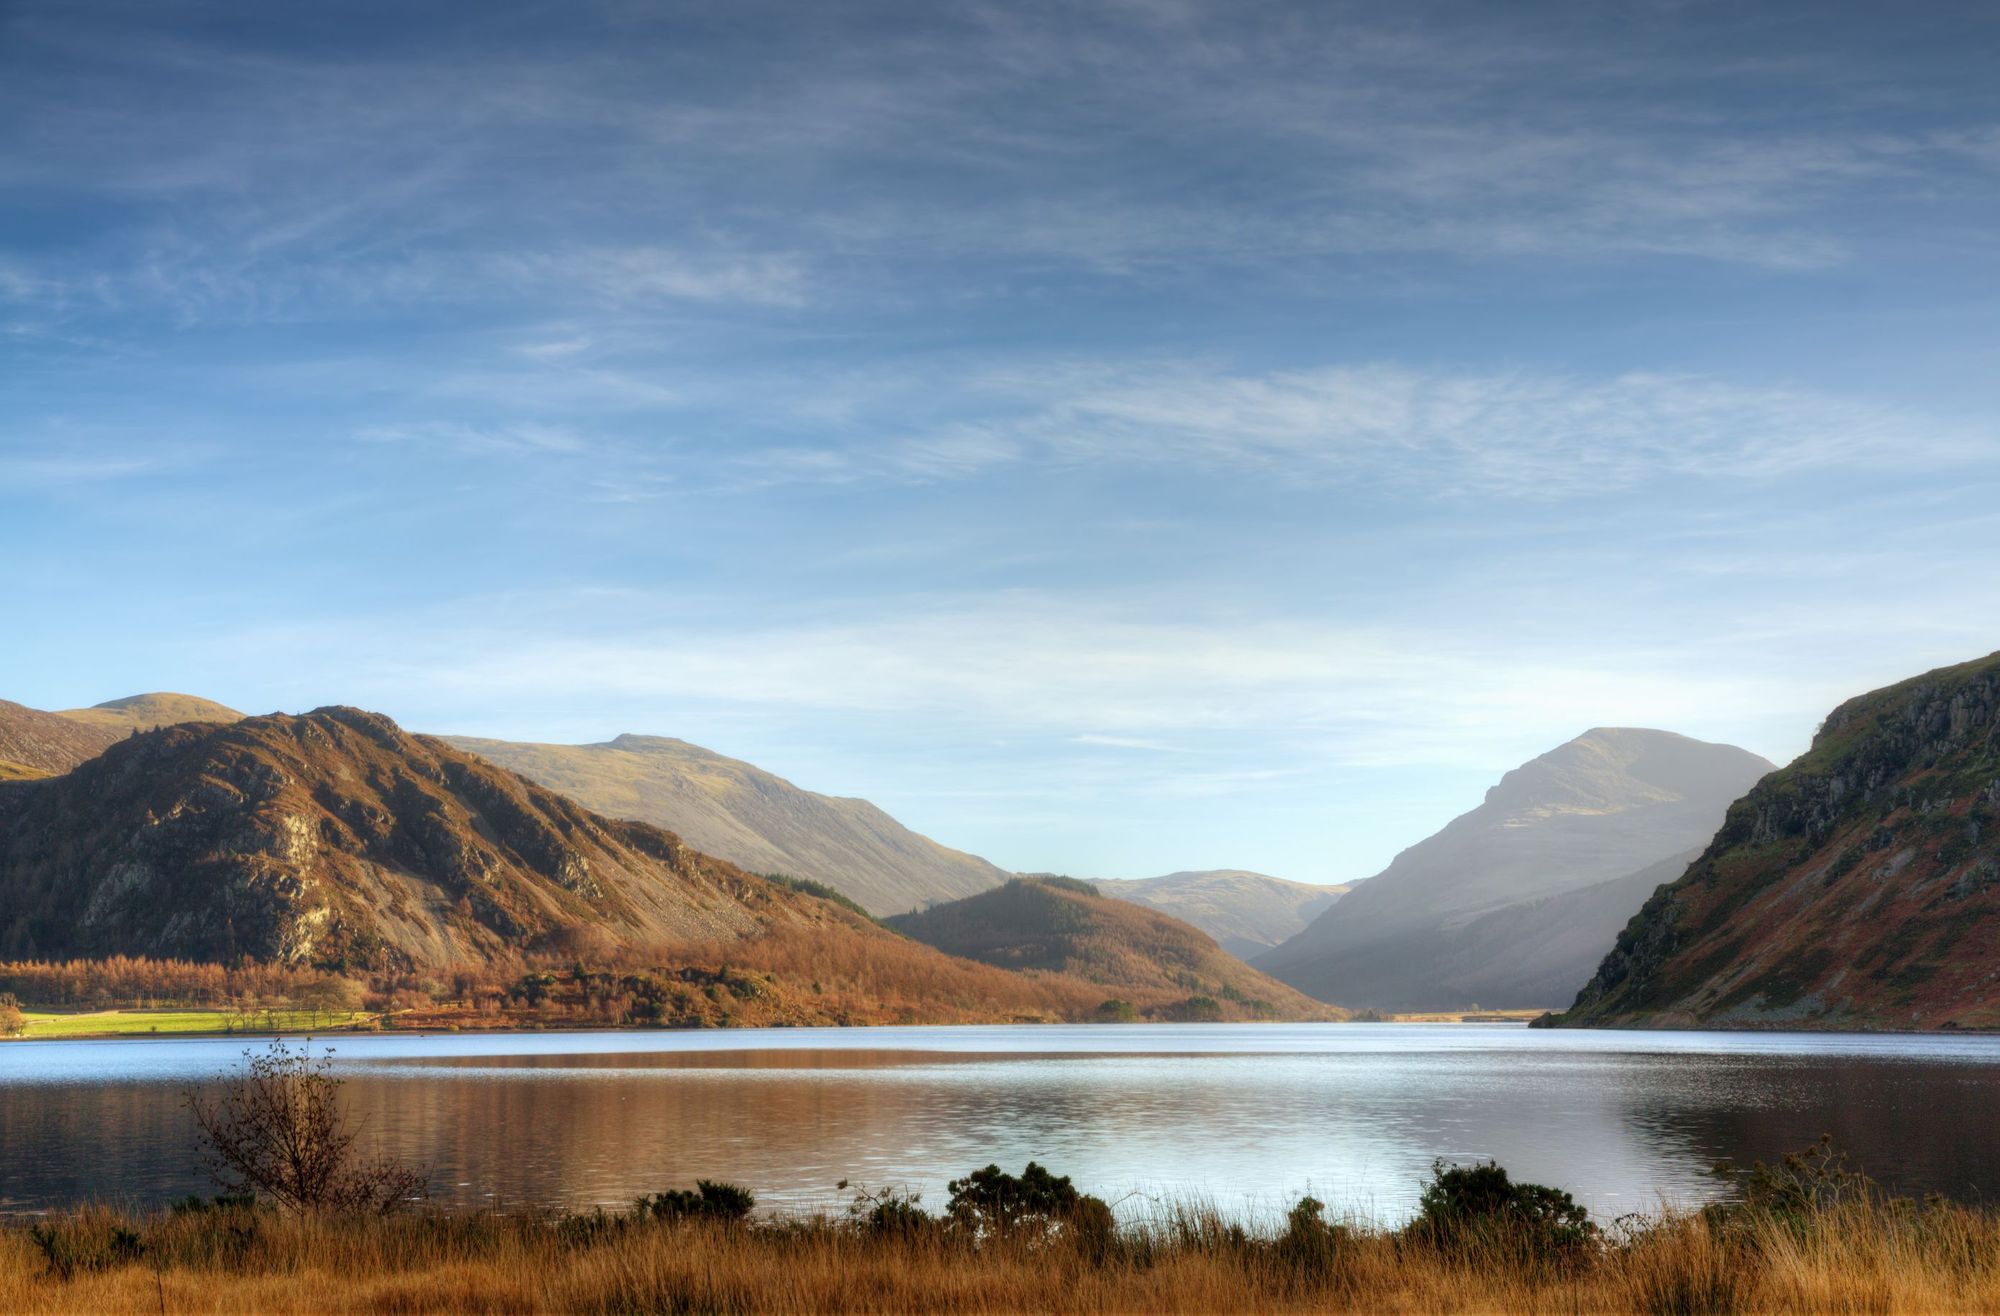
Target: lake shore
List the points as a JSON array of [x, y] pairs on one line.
[[1821, 1253]]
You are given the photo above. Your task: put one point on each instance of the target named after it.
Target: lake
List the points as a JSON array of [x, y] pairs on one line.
[[1248, 1116]]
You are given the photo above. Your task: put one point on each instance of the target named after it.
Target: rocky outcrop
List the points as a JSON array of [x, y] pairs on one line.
[[338, 839], [1857, 888]]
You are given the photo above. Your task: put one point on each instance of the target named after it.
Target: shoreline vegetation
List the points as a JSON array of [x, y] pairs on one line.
[[1804, 1236], [775, 980]]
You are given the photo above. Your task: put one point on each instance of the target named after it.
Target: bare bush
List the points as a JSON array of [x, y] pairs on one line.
[[278, 1132]]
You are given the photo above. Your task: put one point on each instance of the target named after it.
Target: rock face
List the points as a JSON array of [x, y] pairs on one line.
[[750, 817], [38, 743], [337, 839], [1857, 888], [1482, 912], [1247, 913], [1059, 925]]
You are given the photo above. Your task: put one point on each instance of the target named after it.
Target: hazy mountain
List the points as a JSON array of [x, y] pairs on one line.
[[1060, 925], [750, 817], [1605, 806], [144, 712], [34, 743], [1247, 913], [1857, 888]]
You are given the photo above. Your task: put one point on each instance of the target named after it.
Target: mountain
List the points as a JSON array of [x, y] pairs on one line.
[[750, 817], [1606, 806], [145, 712], [1247, 913], [1859, 888], [1060, 925], [34, 743], [337, 840]]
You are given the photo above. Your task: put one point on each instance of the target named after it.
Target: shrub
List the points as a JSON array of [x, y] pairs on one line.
[[279, 1132], [1115, 1011], [1798, 1187], [1466, 1206], [90, 1239], [991, 1203], [12, 1022], [1309, 1244], [891, 1211], [709, 1201]]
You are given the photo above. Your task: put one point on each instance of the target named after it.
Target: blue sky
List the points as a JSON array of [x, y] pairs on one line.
[[1114, 438]]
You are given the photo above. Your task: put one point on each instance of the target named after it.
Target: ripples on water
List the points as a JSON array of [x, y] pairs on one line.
[[1248, 1116]]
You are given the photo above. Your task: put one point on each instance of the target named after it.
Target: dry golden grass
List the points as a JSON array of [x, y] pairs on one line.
[[1854, 1257]]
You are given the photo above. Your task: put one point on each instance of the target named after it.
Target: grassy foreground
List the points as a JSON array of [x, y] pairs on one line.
[[148, 1023], [1848, 1256]]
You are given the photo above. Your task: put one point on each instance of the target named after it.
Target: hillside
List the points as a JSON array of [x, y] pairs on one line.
[[39, 742], [335, 840], [1603, 807], [1247, 913], [1164, 967], [1858, 888], [750, 817], [145, 712]]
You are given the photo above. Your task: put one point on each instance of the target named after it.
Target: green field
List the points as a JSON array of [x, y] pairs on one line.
[[146, 1023]]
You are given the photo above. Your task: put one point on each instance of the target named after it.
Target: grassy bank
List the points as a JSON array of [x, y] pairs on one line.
[[149, 1023], [1836, 1257]]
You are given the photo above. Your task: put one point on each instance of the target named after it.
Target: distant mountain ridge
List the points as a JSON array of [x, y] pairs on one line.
[[751, 817], [1169, 969], [37, 743], [1857, 888], [1247, 913], [1596, 810], [145, 712]]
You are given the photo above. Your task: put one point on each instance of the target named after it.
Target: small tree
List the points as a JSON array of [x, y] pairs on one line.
[[991, 1203], [1471, 1205], [12, 1021], [279, 1132]]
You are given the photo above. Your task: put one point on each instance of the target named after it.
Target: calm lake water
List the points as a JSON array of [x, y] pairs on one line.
[[1249, 1116]]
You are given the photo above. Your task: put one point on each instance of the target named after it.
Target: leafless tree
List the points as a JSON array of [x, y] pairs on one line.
[[278, 1132]]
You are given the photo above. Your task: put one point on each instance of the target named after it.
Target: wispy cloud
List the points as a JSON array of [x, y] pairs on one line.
[[1513, 435]]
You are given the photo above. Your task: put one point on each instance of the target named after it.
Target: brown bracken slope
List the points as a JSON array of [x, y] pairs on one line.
[[1857, 888], [338, 841], [1162, 966], [47, 742]]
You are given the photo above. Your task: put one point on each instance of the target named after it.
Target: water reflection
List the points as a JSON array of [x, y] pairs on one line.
[[1248, 1116]]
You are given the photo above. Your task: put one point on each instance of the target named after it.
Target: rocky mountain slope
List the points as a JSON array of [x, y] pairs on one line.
[[1247, 913], [1605, 806], [34, 743], [338, 841], [145, 712], [1857, 888], [750, 817], [1161, 966]]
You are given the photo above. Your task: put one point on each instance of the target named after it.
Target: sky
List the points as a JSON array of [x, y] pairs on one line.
[[1115, 438]]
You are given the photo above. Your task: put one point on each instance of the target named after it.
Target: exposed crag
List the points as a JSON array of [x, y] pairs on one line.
[[1857, 888]]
